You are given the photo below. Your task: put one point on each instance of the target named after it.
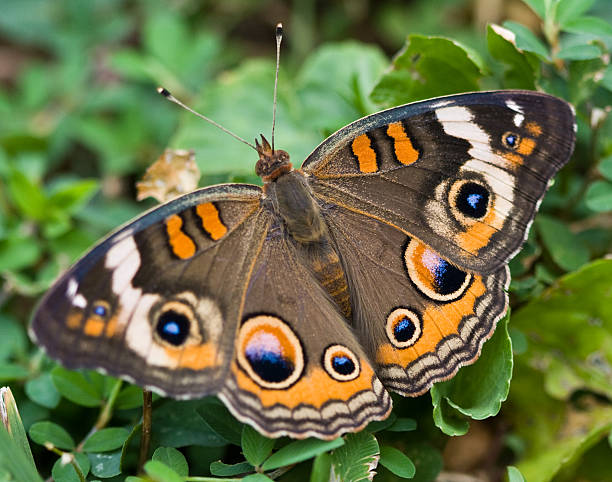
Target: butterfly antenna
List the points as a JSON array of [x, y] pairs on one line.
[[171, 98], [279, 38]]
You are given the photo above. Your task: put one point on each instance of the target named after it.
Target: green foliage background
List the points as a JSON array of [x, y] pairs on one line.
[[80, 121]]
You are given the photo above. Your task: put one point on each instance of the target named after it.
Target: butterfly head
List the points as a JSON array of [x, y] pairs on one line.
[[271, 163]]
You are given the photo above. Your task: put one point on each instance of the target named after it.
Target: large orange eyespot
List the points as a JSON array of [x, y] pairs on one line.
[[270, 352]]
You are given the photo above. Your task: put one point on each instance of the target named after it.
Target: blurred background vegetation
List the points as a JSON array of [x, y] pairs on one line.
[[80, 121]]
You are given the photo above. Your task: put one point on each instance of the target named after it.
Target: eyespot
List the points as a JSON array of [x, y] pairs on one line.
[[100, 308], [404, 327], [511, 140], [432, 275], [270, 352], [341, 363], [173, 327], [471, 199]]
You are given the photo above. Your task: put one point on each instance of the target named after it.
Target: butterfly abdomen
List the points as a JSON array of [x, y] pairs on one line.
[[328, 271]]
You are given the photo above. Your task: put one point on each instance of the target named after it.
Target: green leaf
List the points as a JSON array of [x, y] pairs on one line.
[[28, 196], [13, 340], [396, 462], [13, 371], [427, 460], [179, 423], [105, 465], [42, 391], [218, 418], [579, 52], [477, 390], [106, 439], [18, 252], [14, 460], [538, 6], [71, 196], [255, 446], [321, 468], [564, 246], [514, 475], [379, 425], [173, 459], [357, 459], [589, 25], [605, 167], [226, 470], [161, 472], [49, 432], [429, 67], [129, 397], [299, 451], [257, 478], [66, 472], [599, 196], [76, 387], [12, 426], [568, 10], [522, 68], [403, 425], [526, 40]]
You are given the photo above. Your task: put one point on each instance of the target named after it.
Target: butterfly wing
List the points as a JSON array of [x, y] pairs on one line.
[[464, 174], [298, 368], [419, 317], [158, 302]]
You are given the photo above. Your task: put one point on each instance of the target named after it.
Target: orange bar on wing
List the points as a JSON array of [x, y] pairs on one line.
[[404, 150], [366, 156], [182, 245], [211, 221]]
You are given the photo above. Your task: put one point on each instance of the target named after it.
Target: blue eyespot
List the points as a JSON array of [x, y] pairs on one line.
[[510, 140], [173, 327], [472, 200], [100, 310], [447, 278], [404, 329], [343, 365], [268, 363]]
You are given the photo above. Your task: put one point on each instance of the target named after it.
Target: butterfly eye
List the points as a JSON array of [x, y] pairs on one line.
[[173, 327], [511, 140], [341, 363], [404, 327]]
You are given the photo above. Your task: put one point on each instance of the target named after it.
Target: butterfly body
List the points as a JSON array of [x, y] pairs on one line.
[[381, 263]]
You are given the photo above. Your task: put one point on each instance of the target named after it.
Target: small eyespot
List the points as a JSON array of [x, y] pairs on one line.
[[101, 308], [472, 200], [404, 327], [173, 327], [341, 363], [511, 140]]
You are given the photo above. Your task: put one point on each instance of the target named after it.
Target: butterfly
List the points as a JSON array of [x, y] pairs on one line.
[[380, 265]]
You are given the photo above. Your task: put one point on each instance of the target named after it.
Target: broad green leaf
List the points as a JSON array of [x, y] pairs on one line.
[[42, 391], [221, 421], [28, 196], [49, 432], [538, 6], [579, 52], [589, 25], [13, 340], [429, 67], [378, 425], [105, 465], [106, 439], [396, 462], [564, 246], [514, 475], [526, 40], [321, 468], [178, 424], [12, 371], [605, 167], [66, 472], [599, 196], [572, 337], [130, 397], [478, 390], [225, 470], [522, 68], [12, 426], [403, 425], [173, 459], [299, 451], [161, 472], [255, 446], [257, 478], [18, 252], [569, 10], [70, 196], [357, 459], [76, 387], [14, 460]]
